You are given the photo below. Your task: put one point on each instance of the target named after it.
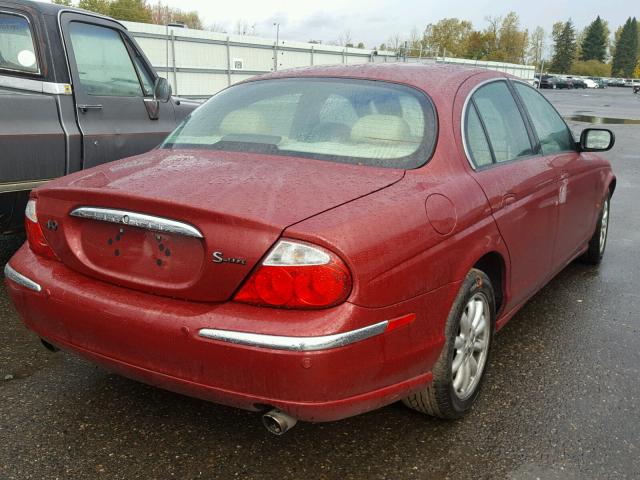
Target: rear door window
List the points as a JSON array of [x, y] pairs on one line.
[[503, 122], [477, 143], [553, 133], [17, 50]]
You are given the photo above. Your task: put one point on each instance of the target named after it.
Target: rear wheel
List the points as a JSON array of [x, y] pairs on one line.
[[458, 374], [598, 241]]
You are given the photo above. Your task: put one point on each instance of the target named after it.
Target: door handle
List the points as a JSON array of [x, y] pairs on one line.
[[86, 108], [508, 199]]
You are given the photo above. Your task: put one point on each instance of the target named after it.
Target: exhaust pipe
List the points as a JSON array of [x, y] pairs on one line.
[[278, 422], [48, 346]]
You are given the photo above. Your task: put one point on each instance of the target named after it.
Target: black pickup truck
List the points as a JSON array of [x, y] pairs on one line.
[[75, 91]]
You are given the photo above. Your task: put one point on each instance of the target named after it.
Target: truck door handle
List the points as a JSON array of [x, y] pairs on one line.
[[86, 108]]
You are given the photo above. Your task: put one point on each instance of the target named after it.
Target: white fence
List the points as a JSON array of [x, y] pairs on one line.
[[198, 63]]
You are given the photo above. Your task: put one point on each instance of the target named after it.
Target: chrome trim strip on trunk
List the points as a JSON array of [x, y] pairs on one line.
[[37, 86], [20, 279], [22, 186], [296, 344], [135, 219]]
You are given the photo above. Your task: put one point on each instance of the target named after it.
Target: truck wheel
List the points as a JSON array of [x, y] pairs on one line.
[[458, 373]]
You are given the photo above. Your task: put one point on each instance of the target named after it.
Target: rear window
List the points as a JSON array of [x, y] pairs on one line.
[[348, 121], [17, 51]]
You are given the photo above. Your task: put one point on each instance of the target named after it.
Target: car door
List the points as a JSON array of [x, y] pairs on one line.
[[521, 185], [113, 90], [578, 189]]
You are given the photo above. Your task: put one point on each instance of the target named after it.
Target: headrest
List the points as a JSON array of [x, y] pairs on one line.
[[245, 121], [381, 128]]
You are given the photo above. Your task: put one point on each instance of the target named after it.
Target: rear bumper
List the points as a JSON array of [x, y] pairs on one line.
[[316, 365]]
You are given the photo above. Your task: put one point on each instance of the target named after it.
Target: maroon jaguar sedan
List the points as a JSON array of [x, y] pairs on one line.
[[321, 242]]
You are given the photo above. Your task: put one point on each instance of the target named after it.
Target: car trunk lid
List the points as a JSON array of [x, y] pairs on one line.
[[190, 224]]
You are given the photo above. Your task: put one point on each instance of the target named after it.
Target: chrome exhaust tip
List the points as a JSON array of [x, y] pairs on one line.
[[278, 422]]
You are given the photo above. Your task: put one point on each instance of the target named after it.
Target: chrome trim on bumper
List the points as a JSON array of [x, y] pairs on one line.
[[296, 344], [140, 220], [20, 279]]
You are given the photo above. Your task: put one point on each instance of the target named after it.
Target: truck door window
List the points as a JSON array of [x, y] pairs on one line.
[[17, 52], [147, 80], [104, 65]]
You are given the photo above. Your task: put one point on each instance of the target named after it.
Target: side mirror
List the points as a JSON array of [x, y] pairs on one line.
[[596, 140], [161, 90]]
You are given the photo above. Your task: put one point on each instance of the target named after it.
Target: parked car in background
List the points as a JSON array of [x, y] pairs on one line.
[[589, 83], [75, 91], [553, 82], [578, 83], [600, 82], [318, 243]]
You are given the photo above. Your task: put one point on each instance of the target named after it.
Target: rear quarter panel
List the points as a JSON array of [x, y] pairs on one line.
[[388, 238]]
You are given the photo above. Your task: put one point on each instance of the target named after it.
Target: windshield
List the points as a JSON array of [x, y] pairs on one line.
[[349, 121]]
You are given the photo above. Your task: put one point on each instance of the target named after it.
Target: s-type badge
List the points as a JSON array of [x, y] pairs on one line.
[[218, 257]]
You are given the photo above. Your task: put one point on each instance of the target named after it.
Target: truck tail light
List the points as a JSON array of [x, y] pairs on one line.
[[297, 275], [35, 236]]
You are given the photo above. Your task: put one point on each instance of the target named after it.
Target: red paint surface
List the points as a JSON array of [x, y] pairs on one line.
[[142, 320]]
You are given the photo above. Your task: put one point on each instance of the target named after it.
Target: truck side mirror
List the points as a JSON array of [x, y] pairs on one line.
[[161, 90]]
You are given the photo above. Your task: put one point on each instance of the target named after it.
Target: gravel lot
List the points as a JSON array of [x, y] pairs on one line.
[[561, 399]]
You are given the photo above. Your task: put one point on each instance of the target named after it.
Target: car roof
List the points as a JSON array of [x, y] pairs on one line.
[[440, 82]]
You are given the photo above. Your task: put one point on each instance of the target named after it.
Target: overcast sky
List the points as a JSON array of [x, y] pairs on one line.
[[375, 21]]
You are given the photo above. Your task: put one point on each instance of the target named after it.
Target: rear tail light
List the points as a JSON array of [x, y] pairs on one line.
[[297, 275], [35, 236]]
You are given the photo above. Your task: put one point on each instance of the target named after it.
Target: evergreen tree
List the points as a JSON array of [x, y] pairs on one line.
[[564, 48], [594, 44], [625, 56]]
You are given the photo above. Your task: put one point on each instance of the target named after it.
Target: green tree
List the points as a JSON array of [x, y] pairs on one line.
[[448, 37], [594, 44], [625, 57], [512, 42], [66, 3], [564, 46], [479, 45], [130, 10], [590, 68], [536, 46], [97, 6]]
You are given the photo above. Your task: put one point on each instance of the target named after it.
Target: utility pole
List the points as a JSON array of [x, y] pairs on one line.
[[275, 50]]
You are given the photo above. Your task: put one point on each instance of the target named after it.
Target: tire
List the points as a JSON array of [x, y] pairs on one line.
[[598, 242], [445, 397]]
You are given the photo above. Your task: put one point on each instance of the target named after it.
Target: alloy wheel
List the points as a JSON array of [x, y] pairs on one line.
[[471, 346], [604, 225]]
